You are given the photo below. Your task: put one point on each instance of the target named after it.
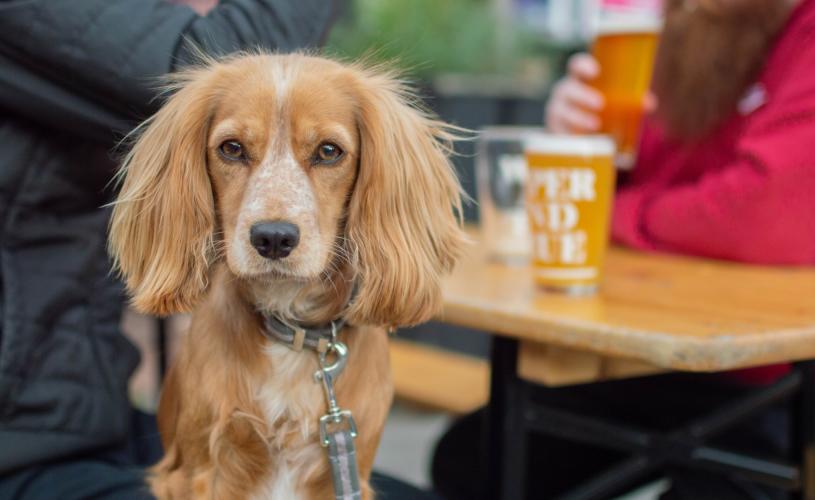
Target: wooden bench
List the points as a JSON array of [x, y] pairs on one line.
[[456, 383], [438, 379]]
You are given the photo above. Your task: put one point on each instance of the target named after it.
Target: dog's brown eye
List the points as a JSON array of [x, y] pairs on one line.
[[327, 153], [232, 150]]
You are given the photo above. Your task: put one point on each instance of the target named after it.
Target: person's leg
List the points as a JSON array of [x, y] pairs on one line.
[[76, 480], [144, 443], [113, 474]]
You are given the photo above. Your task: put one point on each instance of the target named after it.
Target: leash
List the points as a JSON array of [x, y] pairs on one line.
[[337, 426]]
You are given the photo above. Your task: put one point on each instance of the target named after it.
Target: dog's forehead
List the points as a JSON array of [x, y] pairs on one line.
[[290, 90]]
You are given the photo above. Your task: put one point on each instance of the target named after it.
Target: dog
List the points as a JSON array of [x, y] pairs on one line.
[[296, 188]]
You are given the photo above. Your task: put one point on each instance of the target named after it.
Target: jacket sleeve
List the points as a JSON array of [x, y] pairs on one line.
[[92, 67], [759, 208]]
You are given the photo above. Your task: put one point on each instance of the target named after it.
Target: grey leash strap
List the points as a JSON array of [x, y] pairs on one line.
[[337, 427], [343, 458]]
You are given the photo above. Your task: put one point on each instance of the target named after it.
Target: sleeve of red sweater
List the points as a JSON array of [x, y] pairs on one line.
[[760, 208]]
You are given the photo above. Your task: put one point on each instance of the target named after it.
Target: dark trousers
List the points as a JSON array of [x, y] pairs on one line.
[[111, 474], [658, 403], [118, 474]]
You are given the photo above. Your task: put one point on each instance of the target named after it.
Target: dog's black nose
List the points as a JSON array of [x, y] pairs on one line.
[[274, 240]]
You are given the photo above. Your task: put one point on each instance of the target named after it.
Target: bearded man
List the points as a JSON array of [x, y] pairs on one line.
[[725, 169]]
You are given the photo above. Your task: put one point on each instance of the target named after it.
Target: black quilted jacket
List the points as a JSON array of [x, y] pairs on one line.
[[75, 75]]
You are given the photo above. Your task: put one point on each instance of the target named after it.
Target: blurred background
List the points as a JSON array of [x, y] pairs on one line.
[[475, 62]]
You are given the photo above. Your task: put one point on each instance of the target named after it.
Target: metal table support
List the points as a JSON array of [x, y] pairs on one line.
[[512, 415]]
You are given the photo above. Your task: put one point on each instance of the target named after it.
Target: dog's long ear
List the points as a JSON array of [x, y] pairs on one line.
[[404, 216], [161, 233]]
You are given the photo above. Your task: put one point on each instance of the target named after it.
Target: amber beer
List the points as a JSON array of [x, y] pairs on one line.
[[625, 50], [569, 193]]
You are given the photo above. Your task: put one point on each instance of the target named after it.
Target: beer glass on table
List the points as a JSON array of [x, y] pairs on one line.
[[569, 192]]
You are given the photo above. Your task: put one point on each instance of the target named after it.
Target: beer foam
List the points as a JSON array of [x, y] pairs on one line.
[[624, 24], [562, 144]]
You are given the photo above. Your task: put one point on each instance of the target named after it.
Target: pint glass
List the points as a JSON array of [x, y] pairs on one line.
[[500, 172], [569, 190], [625, 48]]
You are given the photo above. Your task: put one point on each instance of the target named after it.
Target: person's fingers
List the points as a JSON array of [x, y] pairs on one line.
[[565, 119], [579, 94], [650, 102], [584, 67], [577, 120], [554, 115], [574, 104], [573, 107]]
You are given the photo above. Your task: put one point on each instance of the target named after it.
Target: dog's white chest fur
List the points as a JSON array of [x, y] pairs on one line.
[[282, 485], [291, 401], [286, 481]]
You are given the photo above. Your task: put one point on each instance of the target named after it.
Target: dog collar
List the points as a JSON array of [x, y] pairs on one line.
[[297, 337]]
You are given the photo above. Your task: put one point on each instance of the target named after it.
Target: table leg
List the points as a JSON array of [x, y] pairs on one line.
[[506, 430], [803, 429]]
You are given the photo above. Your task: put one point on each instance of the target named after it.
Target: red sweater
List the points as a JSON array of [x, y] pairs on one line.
[[746, 192]]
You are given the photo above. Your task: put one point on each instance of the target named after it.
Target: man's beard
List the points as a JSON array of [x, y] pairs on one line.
[[708, 57]]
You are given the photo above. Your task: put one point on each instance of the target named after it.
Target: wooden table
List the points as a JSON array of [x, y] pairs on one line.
[[655, 313]]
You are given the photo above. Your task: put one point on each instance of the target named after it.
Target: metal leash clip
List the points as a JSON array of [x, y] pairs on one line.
[[327, 374], [338, 438]]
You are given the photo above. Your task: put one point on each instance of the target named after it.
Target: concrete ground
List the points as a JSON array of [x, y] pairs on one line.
[[408, 442]]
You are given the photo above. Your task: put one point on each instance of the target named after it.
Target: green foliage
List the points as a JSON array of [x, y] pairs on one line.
[[427, 37]]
